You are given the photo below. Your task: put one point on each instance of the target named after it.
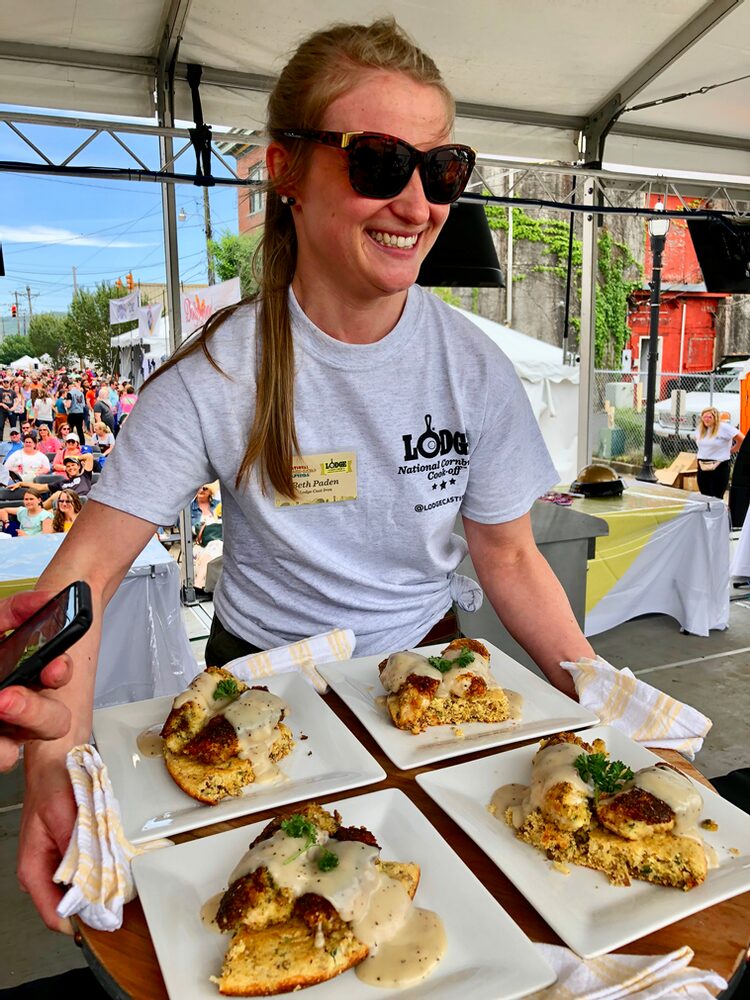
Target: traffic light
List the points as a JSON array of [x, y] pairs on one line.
[[129, 279], [118, 283], [14, 311]]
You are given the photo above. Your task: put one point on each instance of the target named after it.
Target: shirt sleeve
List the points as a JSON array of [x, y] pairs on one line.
[[510, 464], [151, 472]]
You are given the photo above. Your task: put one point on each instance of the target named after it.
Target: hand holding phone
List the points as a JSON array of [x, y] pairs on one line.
[[25, 714]]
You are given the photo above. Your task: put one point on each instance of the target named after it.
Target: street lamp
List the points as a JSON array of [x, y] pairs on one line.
[[182, 216], [658, 227]]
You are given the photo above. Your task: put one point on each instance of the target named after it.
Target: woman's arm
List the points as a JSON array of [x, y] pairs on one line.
[[47, 526], [49, 809], [527, 596], [737, 440]]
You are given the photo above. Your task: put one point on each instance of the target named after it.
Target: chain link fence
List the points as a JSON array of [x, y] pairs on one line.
[[619, 411]]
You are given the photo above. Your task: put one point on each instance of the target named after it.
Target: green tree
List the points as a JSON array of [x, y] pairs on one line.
[[14, 346], [48, 335], [233, 257], [87, 326]]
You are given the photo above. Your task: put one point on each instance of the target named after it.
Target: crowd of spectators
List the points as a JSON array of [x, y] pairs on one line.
[[56, 431]]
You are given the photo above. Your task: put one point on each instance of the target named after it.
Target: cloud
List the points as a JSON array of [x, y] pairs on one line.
[[47, 234]]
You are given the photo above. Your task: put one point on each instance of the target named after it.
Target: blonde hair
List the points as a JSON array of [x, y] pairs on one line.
[[325, 66], [711, 431], [101, 428]]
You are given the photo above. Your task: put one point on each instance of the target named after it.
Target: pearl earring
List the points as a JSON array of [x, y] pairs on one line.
[[288, 200]]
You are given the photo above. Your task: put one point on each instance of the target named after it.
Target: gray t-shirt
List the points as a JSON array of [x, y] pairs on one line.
[[432, 417]]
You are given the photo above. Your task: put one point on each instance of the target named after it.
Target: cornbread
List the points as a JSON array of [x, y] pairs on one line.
[[646, 829], [310, 900], [453, 688], [222, 735]]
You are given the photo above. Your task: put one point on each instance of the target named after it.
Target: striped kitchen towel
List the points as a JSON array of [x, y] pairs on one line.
[[610, 977], [301, 656], [96, 865], [644, 713]]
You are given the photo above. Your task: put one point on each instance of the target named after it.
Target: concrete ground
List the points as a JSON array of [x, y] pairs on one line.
[[712, 674]]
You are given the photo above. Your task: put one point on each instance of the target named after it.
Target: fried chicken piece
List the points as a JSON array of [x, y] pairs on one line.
[[254, 901], [472, 644], [635, 814], [324, 820], [216, 743], [357, 833]]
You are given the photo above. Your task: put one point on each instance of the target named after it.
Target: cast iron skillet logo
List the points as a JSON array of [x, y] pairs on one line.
[[433, 443]]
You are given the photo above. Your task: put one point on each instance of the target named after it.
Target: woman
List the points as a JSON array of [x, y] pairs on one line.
[[48, 443], [61, 414], [32, 518], [205, 514], [18, 409], [68, 508], [717, 442], [44, 408], [127, 401], [369, 394], [104, 439], [71, 449], [203, 508]]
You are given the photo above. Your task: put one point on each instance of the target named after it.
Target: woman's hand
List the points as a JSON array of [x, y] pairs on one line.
[[25, 714]]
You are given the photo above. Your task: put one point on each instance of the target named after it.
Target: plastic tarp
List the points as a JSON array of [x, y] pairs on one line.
[[551, 386], [532, 71], [145, 651]]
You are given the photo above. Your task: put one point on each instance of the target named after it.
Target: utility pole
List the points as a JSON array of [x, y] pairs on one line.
[[28, 296], [75, 284], [209, 236]]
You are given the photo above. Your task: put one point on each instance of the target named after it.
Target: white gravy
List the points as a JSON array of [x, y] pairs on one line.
[[254, 716], [679, 793], [455, 681], [150, 742], [405, 943], [209, 911], [201, 690], [515, 703]]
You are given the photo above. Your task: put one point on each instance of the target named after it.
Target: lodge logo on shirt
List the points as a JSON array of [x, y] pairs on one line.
[[433, 444]]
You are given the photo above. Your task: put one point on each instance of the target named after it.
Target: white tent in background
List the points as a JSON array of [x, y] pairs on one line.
[[26, 364], [134, 348], [551, 386]]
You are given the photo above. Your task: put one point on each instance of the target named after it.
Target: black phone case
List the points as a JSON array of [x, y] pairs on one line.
[[28, 672]]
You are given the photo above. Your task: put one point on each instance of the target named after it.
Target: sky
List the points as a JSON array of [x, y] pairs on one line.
[[103, 228]]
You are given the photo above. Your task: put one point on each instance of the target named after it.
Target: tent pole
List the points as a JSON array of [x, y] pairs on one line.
[[165, 104], [587, 336]]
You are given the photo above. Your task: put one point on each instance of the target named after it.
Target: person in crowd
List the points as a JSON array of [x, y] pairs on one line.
[[27, 427], [78, 477], [71, 449], [103, 438], [66, 511], [26, 714], [203, 508], [18, 408], [15, 442], [6, 405], [28, 461], [360, 368], [32, 518], [127, 401], [75, 404], [44, 409], [717, 441], [49, 445], [62, 426], [205, 512], [103, 411]]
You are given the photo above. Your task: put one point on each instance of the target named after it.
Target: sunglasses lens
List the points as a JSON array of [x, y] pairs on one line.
[[379, 167], [446, 172]]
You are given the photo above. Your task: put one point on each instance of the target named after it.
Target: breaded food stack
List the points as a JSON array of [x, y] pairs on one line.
[[643, 825], [222, 735], [452, 688], [310, 900]]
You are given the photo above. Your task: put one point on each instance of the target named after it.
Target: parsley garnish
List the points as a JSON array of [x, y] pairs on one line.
[[444, 665], [225, 689], [302, 828], [606, 776], [327, 860]]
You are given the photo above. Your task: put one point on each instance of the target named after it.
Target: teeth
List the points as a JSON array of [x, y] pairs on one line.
[[391, 240]]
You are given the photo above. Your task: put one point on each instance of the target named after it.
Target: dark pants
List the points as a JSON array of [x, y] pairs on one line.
[[714, 484], [222, 646], [76, 425]]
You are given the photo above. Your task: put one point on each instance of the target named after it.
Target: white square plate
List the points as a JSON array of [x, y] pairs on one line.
[[330, 760], [488, 955], [545, 710], [592, 916]]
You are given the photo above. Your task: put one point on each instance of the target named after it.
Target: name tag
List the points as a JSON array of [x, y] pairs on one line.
[[326, 478]]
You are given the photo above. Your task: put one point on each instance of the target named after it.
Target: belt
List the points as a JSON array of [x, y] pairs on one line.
[[443, 631]]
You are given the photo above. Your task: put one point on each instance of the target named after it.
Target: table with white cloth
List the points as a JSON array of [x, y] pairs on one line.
[[145, 651], [667, 552]]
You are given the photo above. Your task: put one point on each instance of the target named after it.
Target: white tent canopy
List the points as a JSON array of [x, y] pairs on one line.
[[26, 364], [551, 386], [529, 75]]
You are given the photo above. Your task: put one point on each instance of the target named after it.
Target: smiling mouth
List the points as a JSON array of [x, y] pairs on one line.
[[394, 240]]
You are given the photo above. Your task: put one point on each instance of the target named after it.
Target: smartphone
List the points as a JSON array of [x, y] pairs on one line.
[[51, 630]]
